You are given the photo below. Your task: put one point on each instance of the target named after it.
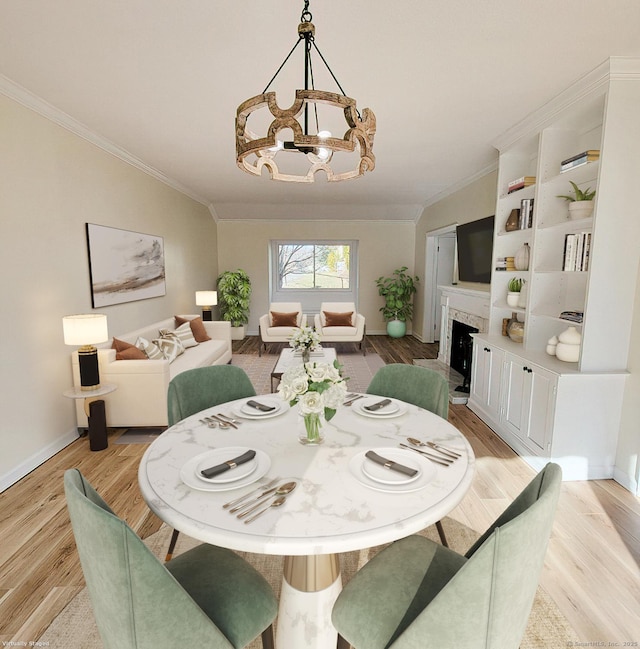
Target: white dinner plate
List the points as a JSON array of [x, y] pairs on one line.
[[253, 470], [379, 473], [243, 410], [393, 409], [427, 473]]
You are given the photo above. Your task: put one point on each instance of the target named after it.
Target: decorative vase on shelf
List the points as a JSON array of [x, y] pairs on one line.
[[552, 343], [522, 256], [568, 347], [522, 296], [580, 209], [515, 329], [513, 298], [311, 434]]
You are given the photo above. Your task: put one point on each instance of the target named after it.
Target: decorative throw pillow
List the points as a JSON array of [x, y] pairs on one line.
[[197, 328], [126, 351], [342, 319], [284, 319], [170, 346], [183, 333], [152, 351]]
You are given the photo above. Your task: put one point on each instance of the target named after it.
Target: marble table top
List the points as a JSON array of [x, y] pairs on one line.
[[334, 508]]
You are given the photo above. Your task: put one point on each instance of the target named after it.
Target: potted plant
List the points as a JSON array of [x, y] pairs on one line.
[[234, 291], [514, 287], [398, 293], [581, 203]]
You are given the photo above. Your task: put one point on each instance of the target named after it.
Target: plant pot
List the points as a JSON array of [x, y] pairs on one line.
[[580, 210], [513, 298], [396, 328], [237, 333]]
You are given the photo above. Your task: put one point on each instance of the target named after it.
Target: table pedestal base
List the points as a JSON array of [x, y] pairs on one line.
[[310, 587]]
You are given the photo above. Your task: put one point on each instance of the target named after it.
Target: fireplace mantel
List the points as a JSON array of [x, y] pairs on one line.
[[465, 305]]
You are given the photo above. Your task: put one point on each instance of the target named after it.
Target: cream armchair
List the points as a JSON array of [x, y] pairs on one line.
[[339, 322], [278, 325]]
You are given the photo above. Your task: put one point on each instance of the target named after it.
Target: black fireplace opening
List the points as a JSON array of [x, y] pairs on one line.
[[461, 352]]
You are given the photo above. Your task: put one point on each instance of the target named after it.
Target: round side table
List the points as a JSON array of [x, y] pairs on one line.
[[94, 407]]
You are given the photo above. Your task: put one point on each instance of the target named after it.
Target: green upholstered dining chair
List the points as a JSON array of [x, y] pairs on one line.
[[206, 597], [417, 594], [420, 386], [204, 387]]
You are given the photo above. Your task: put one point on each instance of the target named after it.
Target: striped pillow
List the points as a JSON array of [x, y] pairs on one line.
[[184, 335], [153, 352]]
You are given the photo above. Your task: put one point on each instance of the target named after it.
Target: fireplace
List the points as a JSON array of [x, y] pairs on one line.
[[461, 351]]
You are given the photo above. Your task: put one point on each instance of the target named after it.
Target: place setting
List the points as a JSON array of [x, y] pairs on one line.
[[438, 453], [393, 470], [223, 469], [263, 407], [378, 407]]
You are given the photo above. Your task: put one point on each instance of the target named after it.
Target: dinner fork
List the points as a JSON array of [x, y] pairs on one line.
[[350, 401]]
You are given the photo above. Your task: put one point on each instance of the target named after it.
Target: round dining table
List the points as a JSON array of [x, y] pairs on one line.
[[342, 500]]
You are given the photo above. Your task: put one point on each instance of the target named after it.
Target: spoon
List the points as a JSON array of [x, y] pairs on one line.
[[437, 447], [211, 424], [217, 422], [286, 488], [276, 503]]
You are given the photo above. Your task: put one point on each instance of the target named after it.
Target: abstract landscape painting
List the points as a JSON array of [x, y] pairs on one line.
[[124, 266]]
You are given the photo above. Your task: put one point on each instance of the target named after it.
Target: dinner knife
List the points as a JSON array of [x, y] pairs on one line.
[[390, 464], [229, 464], [260, 406], [377, 406]]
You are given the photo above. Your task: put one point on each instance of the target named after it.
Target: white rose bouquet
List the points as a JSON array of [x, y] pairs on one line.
[[305, 339], [318, 389]]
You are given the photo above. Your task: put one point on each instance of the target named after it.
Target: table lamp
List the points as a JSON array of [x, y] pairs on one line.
[[206, 299], [85, 331]]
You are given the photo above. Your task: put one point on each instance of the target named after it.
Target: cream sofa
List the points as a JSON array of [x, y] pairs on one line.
[[141, 396]]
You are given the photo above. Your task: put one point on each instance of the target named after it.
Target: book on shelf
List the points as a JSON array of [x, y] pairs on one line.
[[576, 252], [526, 213], [578, 160], [573, 316], [520, 183], [590, 154]]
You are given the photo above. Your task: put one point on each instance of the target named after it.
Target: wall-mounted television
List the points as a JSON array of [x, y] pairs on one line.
[[474, 242]]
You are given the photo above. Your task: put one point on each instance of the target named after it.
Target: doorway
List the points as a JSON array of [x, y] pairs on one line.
[[440, 257]]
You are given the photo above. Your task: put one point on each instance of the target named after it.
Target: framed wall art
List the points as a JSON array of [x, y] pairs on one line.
[[124, 266]]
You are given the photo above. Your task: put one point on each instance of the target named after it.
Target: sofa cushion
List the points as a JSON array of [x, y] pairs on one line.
[[197, 328], [340, 319], [126, 351], [200, 356], [152, 351], [170, 345], [284, 319], [338, 331], [183, 333]]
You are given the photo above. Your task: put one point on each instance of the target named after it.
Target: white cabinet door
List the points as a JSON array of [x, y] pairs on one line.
[[529, 401], [486, 374]]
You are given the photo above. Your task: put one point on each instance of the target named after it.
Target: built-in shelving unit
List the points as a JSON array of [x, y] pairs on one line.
[[581, 400]]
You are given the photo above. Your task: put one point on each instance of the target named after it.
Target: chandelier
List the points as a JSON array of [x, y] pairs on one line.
[[308, 148]]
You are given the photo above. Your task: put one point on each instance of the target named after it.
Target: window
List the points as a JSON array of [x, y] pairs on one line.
[[313, 265], [312, 272]]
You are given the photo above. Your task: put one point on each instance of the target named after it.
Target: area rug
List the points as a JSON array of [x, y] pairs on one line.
[[75, 628], [358, 369]]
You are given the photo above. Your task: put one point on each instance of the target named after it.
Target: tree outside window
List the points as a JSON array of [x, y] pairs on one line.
[[313, 266]]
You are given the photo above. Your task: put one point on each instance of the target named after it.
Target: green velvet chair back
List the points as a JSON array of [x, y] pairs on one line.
[[420, 386], [486, 604], [203, 387], [137, 602]]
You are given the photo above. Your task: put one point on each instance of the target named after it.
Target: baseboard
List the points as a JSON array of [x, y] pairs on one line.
[[627, 481], [37, 459]]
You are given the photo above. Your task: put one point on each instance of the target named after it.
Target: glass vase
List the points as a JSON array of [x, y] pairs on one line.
[[311, 433], [306, 354]]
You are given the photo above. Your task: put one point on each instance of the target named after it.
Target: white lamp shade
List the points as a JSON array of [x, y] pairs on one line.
[[206, 298], [87, 329]]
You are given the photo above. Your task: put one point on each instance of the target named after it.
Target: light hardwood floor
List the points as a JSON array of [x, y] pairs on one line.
[[592, 567]]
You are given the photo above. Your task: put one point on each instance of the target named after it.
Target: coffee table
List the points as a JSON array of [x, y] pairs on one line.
[[289, 357]]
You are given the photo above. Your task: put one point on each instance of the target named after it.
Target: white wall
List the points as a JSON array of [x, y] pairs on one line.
[[382, 247], [52, 183]]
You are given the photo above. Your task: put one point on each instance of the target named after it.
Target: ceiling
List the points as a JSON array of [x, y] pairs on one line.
[[159, 81]]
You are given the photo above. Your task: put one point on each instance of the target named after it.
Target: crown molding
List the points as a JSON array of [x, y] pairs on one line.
[[594, 83], [26, 98]]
